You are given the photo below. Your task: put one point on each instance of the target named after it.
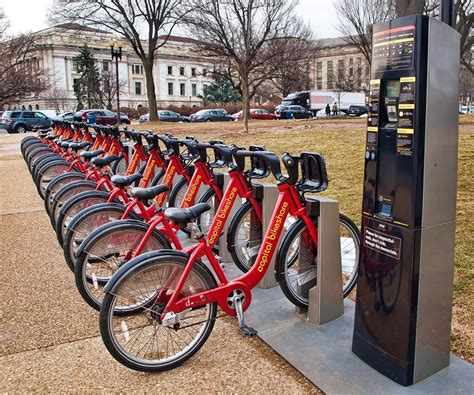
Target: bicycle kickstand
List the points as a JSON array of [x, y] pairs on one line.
[[246, 330]]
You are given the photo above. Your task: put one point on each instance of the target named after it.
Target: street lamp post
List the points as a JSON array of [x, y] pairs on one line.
[[116, 52]]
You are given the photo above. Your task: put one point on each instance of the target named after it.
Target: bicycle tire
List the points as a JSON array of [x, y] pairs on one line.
[[253, 245], [132, 271], [205, 219], [67, 192], [291, 239], [156, 180], [89, 289], [44, 159], [36, 154], [31, 146], [85, 222], [58, 182], [73, 206], [47, 172], [177, 193]]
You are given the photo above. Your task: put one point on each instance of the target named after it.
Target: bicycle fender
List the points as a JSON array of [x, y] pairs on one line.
[[137, 263]]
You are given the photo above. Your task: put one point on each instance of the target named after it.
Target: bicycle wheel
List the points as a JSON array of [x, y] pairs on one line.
[[139, 340], [27, 141], [73, 206], [57, 183], [244, 237], [296, 262], [156, 180], [66, 192], [42, 160], [106, 250], [36, 154], [85, 222], [47, 172], [119, 166], [31, 147], [205, 219], [176, 196]]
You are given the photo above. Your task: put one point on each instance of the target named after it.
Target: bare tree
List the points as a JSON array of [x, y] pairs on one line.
[[57, 98], [239, 38], [153, 20], [356, 18], [4, 23], [290, 69], [110, 88], [20, 73]]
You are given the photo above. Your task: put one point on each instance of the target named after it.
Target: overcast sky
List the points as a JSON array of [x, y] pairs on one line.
[[30, 15]]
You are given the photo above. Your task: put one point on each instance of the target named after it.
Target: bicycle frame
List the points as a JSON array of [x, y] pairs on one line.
[[288, 203]]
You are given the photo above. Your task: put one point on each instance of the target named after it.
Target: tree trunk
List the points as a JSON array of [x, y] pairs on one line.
[[245, 103], [150, 89]]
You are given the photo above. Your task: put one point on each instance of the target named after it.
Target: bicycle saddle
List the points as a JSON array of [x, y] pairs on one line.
[[78, 146], [101, 162], [182, 216], [125, 181], [88, 155], [145, 194]]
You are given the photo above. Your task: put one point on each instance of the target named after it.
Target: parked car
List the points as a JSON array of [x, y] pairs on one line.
[[20, 121], [100, 117], [66, 116], [257, 113], [356, 111], [165, 116], [211, 116], [289, 112]]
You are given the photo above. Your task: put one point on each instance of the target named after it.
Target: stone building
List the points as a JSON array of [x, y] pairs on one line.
[[339, 66], [179, 73]]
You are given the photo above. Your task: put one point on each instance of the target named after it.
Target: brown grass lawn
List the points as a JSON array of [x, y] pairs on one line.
[[342, 142]]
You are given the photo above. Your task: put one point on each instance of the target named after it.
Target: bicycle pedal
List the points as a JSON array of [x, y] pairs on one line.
[[247, 331]]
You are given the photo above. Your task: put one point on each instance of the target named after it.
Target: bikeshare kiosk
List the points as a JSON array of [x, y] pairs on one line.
[[404, 292]]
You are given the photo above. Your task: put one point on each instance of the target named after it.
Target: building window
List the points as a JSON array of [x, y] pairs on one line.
[[137, 69], [105, 66], [330, 74], [204, 72], [170, 88], [340, 69], [138, 88], [75, 82], [75, 63], [181, 70], [319, 76], [170, 70], [194, 89], [193, 71], [182, 89]]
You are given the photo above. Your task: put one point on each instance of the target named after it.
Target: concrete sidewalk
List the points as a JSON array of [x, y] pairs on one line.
[[49, 337]]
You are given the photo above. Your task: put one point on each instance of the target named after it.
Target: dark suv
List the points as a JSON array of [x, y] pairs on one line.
[[20, 121], [356, 111]]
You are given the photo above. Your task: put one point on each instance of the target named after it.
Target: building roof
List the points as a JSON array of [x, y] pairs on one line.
[[77, 26], [179, 39], [334, 42]]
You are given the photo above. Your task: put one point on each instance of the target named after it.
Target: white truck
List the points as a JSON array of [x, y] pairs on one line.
[[317, 100]]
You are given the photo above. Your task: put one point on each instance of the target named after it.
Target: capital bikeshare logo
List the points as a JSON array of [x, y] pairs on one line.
[[221, 215], [148, 172], [166, 181], [270, 243], [133, 164], [191, 192]]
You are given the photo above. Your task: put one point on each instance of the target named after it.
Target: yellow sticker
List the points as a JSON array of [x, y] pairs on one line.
[[401, 40], [374, 82], [405, 131], [408, 79], [372, 129], [400, 223], [406, 106]]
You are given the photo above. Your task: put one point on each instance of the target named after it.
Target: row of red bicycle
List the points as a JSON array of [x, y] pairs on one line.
[[140, 218]]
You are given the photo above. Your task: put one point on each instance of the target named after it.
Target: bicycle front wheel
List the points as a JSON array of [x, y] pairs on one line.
[[296, 263], [106, 250], [139, 340]]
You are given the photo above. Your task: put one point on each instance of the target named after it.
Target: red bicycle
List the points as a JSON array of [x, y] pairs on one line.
[[160, 307]]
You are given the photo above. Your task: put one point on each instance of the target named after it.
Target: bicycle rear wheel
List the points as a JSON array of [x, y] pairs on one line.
[[296, 262], [139, 340], [56, 184], [106, 250]]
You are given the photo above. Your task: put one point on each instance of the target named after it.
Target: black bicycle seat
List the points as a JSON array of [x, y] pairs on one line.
[[101, 162], [88, 155], [145, 194], [78, 146], [124, 181], [182, 216]]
